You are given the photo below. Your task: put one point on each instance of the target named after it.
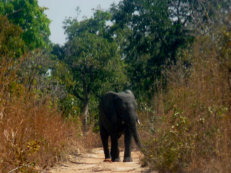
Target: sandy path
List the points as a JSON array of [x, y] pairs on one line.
[[93, 162]]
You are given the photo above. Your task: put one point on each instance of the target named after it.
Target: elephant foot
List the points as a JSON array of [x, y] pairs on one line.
[[116, 160], [127, 159], [107, 160]]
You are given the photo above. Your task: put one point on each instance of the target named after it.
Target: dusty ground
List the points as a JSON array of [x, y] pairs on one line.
[[93, 162]]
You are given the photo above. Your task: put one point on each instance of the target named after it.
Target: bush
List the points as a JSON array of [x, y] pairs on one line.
[[192, 130], [33, 133]]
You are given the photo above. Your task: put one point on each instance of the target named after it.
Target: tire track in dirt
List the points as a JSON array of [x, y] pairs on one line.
[[93, 162]]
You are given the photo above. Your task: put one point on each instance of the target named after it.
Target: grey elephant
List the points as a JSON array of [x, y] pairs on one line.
[[118, 116]]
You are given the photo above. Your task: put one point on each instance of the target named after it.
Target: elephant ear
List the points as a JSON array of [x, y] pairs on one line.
[[132, 96], [130, 93]]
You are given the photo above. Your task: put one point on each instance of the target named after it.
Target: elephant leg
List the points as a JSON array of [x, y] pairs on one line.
[[115, 148], [127, 142], [104, 137]]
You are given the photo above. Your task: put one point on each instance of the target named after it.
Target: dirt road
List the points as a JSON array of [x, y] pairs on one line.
[[93, 162]]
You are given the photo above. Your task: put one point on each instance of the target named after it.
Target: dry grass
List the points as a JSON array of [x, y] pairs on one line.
[[192, 124], [91, 140], [33, 133]]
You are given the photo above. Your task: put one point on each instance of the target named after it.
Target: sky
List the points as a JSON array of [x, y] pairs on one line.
[[58, 10]]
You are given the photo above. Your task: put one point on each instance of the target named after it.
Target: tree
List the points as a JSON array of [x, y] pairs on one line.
[[11, 48], [95, 25], [93, 59], [95, 65], [11, 43], [199, 16], [150, 39], [31, 18]]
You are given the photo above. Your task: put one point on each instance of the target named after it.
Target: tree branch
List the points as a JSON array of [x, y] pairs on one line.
[[14, 12], [77, 95]]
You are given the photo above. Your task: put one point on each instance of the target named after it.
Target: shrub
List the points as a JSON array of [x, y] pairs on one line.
[[192, 130], [33, 133]]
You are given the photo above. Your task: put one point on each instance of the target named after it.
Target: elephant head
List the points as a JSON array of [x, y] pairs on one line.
[[125, 105]]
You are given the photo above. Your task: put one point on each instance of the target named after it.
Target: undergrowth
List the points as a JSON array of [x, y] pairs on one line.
[[192, 126], [33, 133]]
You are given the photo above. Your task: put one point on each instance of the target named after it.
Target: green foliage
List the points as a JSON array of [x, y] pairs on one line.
[[31, 18], [93, 58], [70, 106], [153, 40], [151, 33], [94, 62], [11, 43], [94, 25], [167, 150]]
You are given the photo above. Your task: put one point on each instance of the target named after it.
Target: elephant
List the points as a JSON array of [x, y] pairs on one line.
[[118, 116]]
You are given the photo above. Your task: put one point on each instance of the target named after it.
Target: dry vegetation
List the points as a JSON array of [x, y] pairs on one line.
[[33, 133], [188, 131], [192, 126]]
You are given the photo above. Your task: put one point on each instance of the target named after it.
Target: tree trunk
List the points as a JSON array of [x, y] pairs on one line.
[[85, 113], [86, 99]]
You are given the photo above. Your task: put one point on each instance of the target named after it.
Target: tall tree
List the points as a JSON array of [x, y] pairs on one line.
[[150, 38], [93, 58], [31, 18], [199, 16]]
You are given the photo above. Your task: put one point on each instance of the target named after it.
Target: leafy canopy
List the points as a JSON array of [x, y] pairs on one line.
[[149, 39], [11, 43], [31, 18], [92, 57]]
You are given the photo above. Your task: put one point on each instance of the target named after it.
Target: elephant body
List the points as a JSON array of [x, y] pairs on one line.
[[118, 116]]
